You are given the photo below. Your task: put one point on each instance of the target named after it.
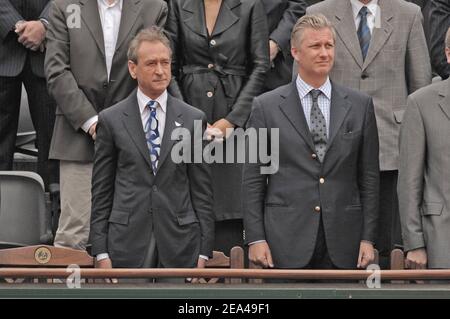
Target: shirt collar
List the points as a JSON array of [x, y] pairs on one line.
[[372, 6], [105, 3], [304, 88], [144, 99]]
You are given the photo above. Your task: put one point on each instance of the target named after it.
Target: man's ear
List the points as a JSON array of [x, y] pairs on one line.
[[132, 69]]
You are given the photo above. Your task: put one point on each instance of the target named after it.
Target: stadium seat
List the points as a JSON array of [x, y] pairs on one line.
[[23, 214]]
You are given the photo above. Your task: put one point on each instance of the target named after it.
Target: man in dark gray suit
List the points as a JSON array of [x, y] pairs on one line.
[[86, 71], [23, 25], [320, 209], [424, 181], [147, 210], [281, 17]]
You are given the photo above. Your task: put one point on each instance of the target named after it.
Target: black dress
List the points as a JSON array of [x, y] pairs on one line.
[[220, 74]]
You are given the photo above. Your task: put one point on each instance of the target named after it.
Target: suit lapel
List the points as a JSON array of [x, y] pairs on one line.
[[173, 115], [133, 124], [194, 16], [130, 11], [292, 108], [444, 97], [90, 16], [338, 111], [346, 30], [226, 17], [380, 35]]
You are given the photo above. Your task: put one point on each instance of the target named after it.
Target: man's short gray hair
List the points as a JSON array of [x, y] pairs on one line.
[[311, 21], [152, 34]]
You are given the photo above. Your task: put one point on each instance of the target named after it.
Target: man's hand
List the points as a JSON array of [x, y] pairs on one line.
[[259, 253], [106, 264], [93, 131], [213, 133], [222, 125], [274, 50], [416, 259], [201, 263], [31, 34], [366, 255]]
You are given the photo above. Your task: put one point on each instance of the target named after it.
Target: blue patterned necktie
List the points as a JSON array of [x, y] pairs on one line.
[[152, 135], [364, 35]]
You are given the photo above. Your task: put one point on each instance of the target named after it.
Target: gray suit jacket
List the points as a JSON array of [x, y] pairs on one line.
[[76, 69], [12, 53], [396, 65], [129, 202], [424, 173], [280, 208]]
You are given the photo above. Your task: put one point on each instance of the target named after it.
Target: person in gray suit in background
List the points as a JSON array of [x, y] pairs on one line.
[[381, 50], [147, 210], [86, 71], [424, 175], [23, 25]]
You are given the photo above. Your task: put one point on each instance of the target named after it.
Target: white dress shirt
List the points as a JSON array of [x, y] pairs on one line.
[[372, 14], [110, 15]]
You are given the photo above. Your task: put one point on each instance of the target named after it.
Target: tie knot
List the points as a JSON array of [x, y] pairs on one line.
[[363, 12], [315, 94], [152, 105]]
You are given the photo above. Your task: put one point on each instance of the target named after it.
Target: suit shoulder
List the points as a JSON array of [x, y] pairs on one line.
[[406, 7], [422, 96], [187, 109], [352, 93], [154, 3], [274, 95], [323, 7], [113, 110]]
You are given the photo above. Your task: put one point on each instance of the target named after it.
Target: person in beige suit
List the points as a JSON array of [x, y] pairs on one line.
[[86, 70], [381, 50], [424, 175]]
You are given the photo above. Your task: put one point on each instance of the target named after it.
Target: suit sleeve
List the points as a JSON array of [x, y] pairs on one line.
[[411, 175], [418, 68], [258, 63], [439, 23], [62, 85], [46, 11], [254, 184], [173, 31], [202, 199], [8, 18], [282, 33], [369, 175], [103, 176]]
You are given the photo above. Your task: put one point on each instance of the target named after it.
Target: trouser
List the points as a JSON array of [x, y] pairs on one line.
[[42, 111], [75, 219]]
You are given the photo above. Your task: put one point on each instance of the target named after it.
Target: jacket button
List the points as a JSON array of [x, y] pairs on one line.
[[210, 66], [322, 180], [213, 42], [155, 189], [314, 156], [209, 94], [364, 76], [105, 85], [317, 209]]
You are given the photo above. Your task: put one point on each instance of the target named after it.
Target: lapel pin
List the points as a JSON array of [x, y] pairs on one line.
[[177, 124]]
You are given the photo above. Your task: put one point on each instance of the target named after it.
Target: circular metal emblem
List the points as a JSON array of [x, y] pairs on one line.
[[42, 255]]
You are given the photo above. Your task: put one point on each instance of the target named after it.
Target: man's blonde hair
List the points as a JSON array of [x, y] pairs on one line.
[[311, 21]]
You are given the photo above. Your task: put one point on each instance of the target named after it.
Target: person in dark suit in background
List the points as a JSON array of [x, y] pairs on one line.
[[86, 71], [23, 25], [320, 209], [221, 55], [147, 210], [281, 17], [439, 23]]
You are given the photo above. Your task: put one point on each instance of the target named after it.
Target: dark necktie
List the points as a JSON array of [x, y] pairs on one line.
[[152, 135], [364, 35], [318, 126]]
